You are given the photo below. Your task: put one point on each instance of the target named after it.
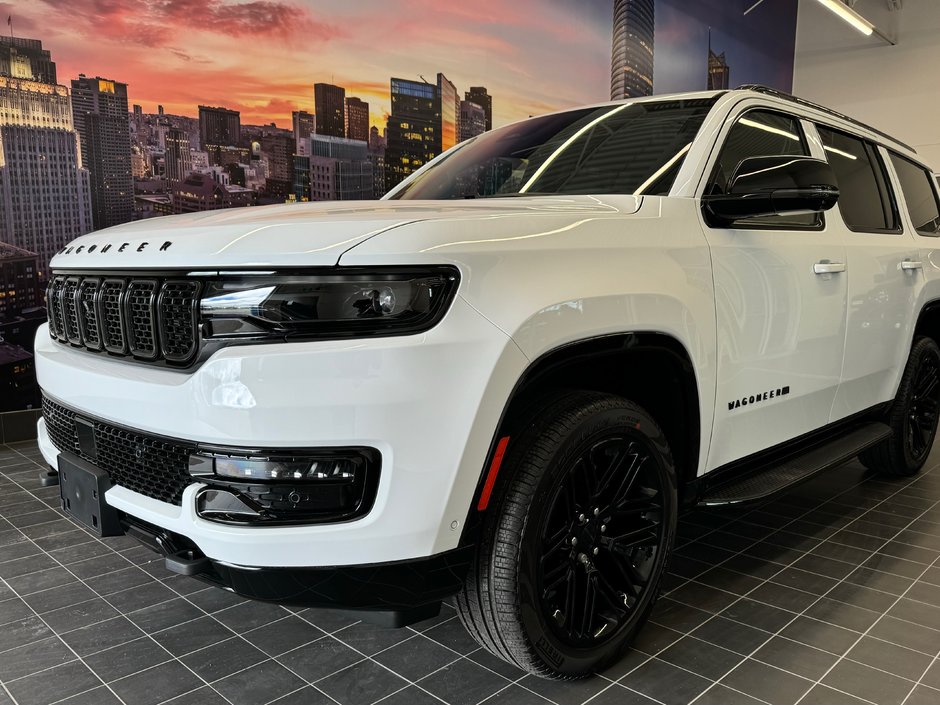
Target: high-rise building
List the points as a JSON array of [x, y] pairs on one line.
[[278, 148], [19, 276], [218, 128], [45, 196], [414, 129], [478, 95], [201, 192], [340, 169], [377, 157], [330, 104], [177, 155], [25, 58], [99, 111], [304, 125], [719, 74], [159, 110], [357, 119], [450, 112], [138, 111], [472, 120], [631, 58]]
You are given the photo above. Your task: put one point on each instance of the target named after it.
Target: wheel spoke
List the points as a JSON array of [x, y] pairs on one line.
[[600, 538]]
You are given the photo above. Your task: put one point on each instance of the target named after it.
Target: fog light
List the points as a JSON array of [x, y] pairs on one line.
[[343, 469], [281, 488]]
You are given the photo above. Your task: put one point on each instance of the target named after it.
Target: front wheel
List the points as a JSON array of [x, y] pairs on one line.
[[913, 415], [572, 556]]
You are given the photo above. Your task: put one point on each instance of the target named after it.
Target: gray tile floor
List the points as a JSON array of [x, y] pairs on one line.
[[828, 595]]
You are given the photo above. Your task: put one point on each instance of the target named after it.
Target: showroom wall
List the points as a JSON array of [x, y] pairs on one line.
[[893, 88]]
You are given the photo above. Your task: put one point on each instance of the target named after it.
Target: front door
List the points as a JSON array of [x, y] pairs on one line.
[[781, 297]]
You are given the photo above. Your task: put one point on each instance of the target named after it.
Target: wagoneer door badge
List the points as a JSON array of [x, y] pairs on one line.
[[759, 397]]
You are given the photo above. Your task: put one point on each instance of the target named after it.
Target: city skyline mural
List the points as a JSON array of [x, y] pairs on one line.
[[263, 57], [124, 110]]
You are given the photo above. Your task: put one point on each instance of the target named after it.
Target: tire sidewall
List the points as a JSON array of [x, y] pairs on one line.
[[562, 658], [924, 349]]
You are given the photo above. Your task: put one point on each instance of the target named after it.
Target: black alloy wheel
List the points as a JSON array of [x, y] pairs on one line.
[[922, 410], [600, 538], [913, 415], [576, 538]]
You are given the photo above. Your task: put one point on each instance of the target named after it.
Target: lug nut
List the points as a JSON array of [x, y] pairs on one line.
[[596, 550], [603, 528], [581, 518], [597, 511], [574, 541]]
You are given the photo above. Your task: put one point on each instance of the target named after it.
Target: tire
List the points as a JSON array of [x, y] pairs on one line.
[[519, 597], [912, 417]]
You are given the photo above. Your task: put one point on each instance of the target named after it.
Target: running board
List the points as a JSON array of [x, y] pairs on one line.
[[784, 474]]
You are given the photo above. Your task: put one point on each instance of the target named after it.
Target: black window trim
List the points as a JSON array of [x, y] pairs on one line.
[[885, 187], [932, 180], [819, 226]]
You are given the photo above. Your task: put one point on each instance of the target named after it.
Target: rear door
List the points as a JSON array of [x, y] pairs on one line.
[[883, 268], [781, 326]]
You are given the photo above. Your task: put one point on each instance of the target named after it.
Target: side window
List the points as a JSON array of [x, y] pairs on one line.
[[865, 199], [761, 133], [920, 193]]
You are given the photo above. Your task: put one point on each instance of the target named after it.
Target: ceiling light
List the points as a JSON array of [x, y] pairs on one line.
[[850, 16]]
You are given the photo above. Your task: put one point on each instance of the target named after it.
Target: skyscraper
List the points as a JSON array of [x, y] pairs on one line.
[[719, 74], [177, 155], [631, 59], [472, 120], [329, 103], [357, 119], [279, 149], [478, 95], [25, 58], [340, 169], [44, 191], [414, 129], [304, 123], [218, 128], [99, 110], [450, 112]]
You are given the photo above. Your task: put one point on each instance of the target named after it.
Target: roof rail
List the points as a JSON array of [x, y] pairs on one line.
[[767, 90]]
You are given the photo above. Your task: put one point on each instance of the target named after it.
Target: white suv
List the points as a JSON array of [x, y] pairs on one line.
[[504, 380]]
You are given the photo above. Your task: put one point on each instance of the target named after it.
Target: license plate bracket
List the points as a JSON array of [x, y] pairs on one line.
[[81, 488]]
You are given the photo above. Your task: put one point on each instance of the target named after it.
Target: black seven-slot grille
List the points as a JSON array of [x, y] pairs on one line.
[[155, 467], [145, 318]]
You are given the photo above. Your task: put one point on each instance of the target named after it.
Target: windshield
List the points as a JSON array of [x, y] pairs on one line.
[[630, 148]]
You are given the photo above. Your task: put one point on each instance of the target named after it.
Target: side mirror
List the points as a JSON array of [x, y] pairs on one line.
[[774, 185]]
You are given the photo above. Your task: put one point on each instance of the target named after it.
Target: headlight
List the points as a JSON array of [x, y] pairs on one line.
[[354, 303]]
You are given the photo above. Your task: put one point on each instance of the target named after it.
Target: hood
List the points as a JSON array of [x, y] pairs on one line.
[[306, 234]]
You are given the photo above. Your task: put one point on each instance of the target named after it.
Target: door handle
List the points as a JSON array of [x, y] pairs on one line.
[[909, 266], [827, 267]]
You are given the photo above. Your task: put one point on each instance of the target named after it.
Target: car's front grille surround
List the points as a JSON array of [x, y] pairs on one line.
[[144, 318], [153, 466]]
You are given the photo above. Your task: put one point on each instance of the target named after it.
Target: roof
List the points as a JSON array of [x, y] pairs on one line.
[[8, 251]]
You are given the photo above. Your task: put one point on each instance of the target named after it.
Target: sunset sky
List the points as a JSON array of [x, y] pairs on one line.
[[262, 57]]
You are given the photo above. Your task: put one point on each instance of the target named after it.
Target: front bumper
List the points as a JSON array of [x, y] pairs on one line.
[[428, 403], [391, 594]]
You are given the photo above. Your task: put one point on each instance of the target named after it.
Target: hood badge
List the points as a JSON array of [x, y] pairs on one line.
[[141, 246]]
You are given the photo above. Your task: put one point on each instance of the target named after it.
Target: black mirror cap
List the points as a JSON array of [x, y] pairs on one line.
[[774, 185]]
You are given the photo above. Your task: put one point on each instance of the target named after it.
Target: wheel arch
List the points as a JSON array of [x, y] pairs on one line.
[[928, 321], [653, 369]]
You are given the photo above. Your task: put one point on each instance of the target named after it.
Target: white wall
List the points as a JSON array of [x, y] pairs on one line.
[[893, 88]]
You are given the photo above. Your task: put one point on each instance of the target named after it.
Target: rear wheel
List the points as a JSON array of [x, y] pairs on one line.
[[913, 415], [574, 550]]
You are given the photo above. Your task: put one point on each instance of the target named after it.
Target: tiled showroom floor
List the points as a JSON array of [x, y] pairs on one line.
[[828, 595]]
